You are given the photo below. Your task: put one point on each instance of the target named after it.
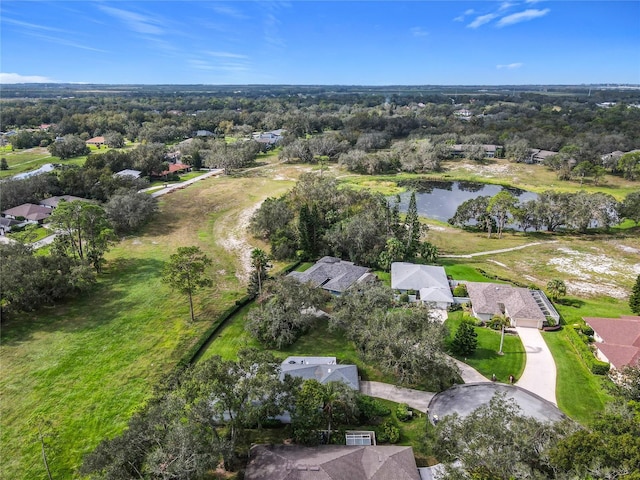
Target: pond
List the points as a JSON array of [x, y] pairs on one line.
[[440, 199]]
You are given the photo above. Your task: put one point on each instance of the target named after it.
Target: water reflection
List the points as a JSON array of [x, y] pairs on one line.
[[440, 199]]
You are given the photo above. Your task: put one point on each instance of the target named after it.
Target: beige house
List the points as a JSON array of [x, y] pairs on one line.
[[524, 307]]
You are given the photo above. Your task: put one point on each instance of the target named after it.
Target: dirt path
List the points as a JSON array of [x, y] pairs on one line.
[[493, 252], [234, 239]]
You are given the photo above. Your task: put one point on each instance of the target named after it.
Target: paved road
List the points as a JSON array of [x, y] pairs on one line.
[[416, 399], [539, 374], [178, 186], [468, 373]]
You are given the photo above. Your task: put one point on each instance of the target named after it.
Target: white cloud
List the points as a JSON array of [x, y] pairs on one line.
[[506, 6], [481, 20], [228, 11], [509, 66], [419, 32], [460, 18], [135, 21], [31, 26], [226, 55], [6, 78], [523, 16]]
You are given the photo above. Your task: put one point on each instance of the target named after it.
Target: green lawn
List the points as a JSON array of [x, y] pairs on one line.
[[486, 359], [86, 365], [461, 270], [31, 235], [579, 393]]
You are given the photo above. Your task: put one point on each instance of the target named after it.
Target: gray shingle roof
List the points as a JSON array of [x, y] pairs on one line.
[[28, 211], [322, 369], [331, 462], [430, 280], [333, 274], [518, 302]]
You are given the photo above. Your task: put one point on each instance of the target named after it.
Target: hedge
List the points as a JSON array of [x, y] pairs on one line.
[[596, 366], [194, 353]]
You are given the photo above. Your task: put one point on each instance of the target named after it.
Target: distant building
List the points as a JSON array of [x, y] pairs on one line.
[[53, 202], [430, 283], [128, 173], [539, 156], [96, 141], [28, 211]]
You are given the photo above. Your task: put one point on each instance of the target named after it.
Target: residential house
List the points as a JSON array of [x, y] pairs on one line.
[[95, 141], [334, 275], [322, 369], [463, 113], [175, 168], [28, 212], [490, 151], [331, 462], [128, 173], [6, 224], [204, 133], [524, 307], [617, 339], [537, 155], [53, 202], [430, 283], [269, 138]]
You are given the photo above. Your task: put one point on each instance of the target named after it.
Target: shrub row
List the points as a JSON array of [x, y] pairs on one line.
[[596, 366], [198, 349], [502, 279]]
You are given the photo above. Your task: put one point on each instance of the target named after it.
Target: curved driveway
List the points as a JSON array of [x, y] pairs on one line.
[[539, 374]]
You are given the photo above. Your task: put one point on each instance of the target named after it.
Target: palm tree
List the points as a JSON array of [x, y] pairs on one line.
[[501, 321], [336, 396], [556, 289], [260, 263]]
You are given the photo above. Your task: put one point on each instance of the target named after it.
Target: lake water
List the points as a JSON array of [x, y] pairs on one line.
[[440, 200], [47, 167]]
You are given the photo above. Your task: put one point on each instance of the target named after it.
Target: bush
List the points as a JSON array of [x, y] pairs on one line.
[[587, 330], [388, 433], [403, 413], [460, 290], [404, 298], [371, 409], [580, 342], [454, 307]]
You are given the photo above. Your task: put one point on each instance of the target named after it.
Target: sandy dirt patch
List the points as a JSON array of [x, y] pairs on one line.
[[235, 241], [594, 273], [494, 170]]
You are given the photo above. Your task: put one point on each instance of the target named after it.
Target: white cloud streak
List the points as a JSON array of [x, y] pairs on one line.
[[6, 78], [31, 26], [227, 55], [523, 16], [228, 11], [510, 66], [419, 32], [481, 20], [138, 23]]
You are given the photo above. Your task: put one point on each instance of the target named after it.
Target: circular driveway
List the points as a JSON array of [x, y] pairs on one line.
[[464, 399]]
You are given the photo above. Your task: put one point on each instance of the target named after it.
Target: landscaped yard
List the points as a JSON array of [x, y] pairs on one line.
[[486, 359]]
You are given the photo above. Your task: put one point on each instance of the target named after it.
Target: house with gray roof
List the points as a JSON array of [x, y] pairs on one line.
[[28, 212], [53, 202], [428, 281], [128, 172], [524, 307], [334, 275], [331, 462], [322, 369]]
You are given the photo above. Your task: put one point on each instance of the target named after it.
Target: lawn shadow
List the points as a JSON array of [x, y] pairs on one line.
[[571, 302], [100, 304]]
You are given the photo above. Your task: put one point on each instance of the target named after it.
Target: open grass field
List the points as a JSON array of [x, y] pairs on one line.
[[486, 359], [86, 365], [21, 161]]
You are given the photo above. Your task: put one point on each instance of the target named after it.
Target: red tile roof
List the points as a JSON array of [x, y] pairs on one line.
[[175, 167], [96, 141], [620, 338]]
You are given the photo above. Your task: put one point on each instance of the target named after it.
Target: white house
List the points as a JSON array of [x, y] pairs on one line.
[[429, 282]]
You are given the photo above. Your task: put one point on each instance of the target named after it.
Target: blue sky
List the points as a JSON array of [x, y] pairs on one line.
[[321, 42]]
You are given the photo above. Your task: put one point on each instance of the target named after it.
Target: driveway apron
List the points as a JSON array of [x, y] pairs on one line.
[[539, 375]]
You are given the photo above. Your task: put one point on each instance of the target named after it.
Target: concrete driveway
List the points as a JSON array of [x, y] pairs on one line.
[[416, 399], [539, 374]]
